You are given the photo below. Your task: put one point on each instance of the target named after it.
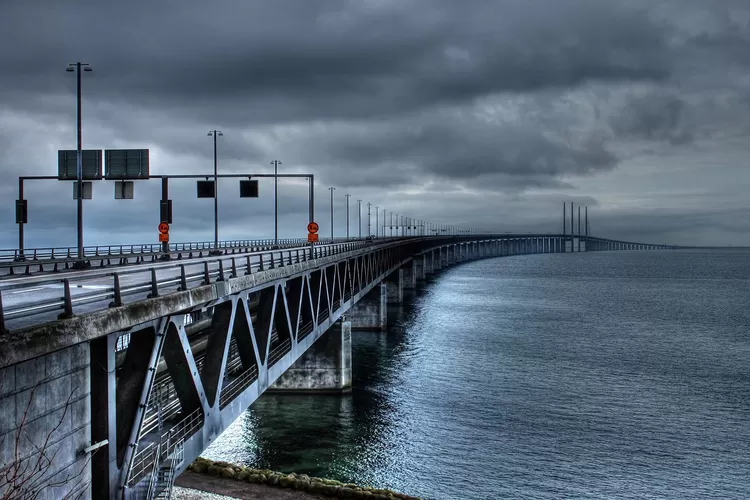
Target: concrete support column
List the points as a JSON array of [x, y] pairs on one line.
[[410, 275], [444, 262], [395, 286], [420, 267], [325, 367], [371, 312]]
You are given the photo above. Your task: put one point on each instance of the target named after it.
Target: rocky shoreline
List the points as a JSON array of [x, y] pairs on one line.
[[299, 482]]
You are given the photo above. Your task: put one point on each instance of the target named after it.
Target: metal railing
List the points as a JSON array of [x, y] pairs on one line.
[[237, 384], [43, 253], [99, 251], [146, 459], [148, 283]]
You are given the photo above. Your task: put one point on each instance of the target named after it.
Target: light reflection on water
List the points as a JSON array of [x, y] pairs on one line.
[[602, 375]]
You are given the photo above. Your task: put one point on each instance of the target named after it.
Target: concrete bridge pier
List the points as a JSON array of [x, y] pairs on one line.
[[410, 275], [444, 262], [429, 264], [420, 267], [395, 286], [325, 367], [371, 312]]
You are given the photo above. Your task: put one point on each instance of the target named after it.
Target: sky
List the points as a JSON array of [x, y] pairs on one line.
[[486, 114]]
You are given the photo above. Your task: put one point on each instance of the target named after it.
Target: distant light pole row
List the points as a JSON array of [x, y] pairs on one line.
[[403, 225]]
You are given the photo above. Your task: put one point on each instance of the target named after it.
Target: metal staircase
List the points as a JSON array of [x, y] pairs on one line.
[[162, 478]]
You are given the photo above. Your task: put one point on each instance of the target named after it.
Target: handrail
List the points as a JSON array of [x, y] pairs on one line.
[[151, 282], [48, 253]]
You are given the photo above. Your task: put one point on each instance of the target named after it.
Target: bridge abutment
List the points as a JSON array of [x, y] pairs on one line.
[[370, 313], [325, 367]]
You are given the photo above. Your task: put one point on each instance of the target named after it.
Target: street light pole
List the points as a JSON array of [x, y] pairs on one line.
[[78, 67], [377, 211], [369, 231], [276, 164], [347, 216], [331, 189], [359, 210], [383, 232], [216, 133]]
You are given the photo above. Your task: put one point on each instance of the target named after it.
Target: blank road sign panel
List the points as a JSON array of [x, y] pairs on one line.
[[22, 212], [124, 190], [206, 189], [126, 164], [87, 190], [312, 237], [248, 189], [67, 164], [163, 237]]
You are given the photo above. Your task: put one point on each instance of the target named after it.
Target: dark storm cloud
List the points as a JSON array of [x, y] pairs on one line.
[[656, 116], [459, 147], [273, 62]]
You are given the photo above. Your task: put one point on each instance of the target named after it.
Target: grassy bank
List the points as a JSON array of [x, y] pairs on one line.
[[300, 482]]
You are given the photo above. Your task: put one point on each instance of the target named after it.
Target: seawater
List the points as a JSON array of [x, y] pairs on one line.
[[592, 375]]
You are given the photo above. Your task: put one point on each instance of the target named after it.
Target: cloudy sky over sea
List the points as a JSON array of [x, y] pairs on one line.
[[480, 113]]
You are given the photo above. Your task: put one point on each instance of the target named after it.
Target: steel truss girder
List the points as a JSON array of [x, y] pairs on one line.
[[295, 311], [247, 349]]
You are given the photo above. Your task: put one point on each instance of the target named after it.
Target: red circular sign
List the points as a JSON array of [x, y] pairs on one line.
[[313, 227], [163, 228]]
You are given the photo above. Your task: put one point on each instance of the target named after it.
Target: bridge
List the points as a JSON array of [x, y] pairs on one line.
[[115, 377]]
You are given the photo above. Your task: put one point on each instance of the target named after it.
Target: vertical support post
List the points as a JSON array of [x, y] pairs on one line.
[[311, 208], [20, 224], [572, 228], [102, 366], [586, 228], [347, 216], [579, 228], [165, 202], [377, 211], [331, 189], [359, 211], [369, 217], [276, 164], [216, 196], [79, 166]]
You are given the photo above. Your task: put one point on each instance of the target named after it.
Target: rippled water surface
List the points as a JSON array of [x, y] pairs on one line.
[[599, 375]]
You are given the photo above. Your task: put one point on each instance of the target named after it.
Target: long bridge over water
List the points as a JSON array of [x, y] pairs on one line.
[[125, 371]]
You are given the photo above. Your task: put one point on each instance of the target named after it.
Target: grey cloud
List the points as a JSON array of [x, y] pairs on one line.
[[656, 116], [258, 64]]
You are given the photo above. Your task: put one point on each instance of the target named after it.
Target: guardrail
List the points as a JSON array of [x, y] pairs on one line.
[[55, 259], [9, 255], [110, 289]]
